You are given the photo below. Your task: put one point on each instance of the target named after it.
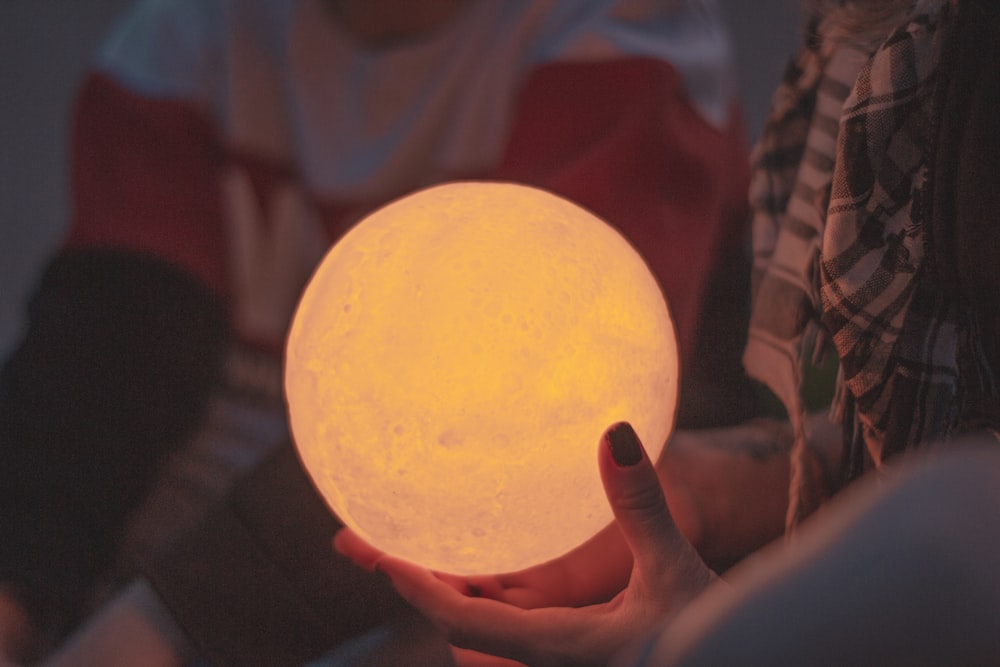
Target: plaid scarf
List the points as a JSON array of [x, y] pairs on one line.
[[843, 253], [896, 334]]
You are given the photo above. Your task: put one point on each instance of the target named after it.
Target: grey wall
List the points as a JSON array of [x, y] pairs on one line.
[[766, 33], [44, 45]]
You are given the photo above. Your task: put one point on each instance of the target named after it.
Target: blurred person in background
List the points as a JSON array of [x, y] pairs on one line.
[[218, 149]]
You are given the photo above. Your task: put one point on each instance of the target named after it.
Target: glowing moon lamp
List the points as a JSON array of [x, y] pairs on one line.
[[453, 363]]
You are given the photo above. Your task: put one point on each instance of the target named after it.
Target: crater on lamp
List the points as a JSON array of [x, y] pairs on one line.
[[453, 363]]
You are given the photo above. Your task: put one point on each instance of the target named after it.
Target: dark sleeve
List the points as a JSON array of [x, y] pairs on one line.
[[117, 359], [258, 583]]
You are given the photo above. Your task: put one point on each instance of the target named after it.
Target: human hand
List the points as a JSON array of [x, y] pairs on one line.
[[666, 573], [594, 572]]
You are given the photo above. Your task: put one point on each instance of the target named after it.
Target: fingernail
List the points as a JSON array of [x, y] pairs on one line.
[[624, 445]]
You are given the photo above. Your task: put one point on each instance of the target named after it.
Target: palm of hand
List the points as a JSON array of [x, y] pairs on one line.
[[508, 616]]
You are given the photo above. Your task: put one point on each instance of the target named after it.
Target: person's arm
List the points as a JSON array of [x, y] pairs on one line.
[[901, 570], [666, 574], [727, 490], [119, 353], [895, 572]]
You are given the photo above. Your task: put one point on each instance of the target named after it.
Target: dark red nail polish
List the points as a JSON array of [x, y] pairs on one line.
[[624, 444]]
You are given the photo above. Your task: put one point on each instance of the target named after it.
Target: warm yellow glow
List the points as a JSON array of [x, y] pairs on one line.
[[454, 362]]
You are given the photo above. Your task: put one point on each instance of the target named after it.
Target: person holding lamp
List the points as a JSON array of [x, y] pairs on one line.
[[874, 197]]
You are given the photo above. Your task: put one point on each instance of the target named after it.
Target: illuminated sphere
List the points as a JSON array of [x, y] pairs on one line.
[[453, 363]]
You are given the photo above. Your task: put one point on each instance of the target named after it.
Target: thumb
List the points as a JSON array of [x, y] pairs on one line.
[[636, 497], [347, 543]]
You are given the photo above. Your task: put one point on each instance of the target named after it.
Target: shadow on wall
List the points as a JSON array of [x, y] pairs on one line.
[[45, 44]]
